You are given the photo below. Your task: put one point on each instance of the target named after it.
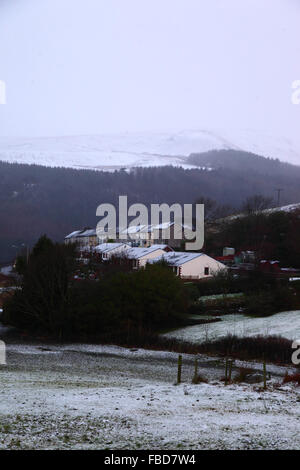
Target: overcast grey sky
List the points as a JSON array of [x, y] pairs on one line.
[[97, 66]]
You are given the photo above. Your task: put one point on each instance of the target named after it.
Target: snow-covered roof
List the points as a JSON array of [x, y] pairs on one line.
[[163, 226], [151, 228], [136, 253], [107, 247], [161, 247], [88, 232], [176, 258], [166, 225], [73, 234], [137, 229]]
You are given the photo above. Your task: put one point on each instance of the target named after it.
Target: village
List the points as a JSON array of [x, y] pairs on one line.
[[145, 249], [189, 266]]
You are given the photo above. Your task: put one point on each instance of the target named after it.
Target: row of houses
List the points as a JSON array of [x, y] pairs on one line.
[[147, 249], [169, 233], [186, 265], [137, 257], [86, 239]]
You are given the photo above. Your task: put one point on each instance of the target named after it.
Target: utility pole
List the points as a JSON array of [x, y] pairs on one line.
[[279, 191]]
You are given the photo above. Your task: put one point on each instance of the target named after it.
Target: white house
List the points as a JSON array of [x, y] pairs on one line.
[[140, 256], [147, 235], [191, 265], [168, 232], [86, 239], [107, 250], [141, 233]]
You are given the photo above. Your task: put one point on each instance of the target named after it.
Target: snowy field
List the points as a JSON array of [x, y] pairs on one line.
[[112, 152], [95, 397], [286, 324]]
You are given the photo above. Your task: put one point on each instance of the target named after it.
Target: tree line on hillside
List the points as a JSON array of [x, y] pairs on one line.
[[273, 236], [238, 160], [56, 201]]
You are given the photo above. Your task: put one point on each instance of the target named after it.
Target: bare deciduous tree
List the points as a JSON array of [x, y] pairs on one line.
[[256, 204]]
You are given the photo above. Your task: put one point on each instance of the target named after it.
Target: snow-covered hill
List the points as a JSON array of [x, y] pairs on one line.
[[109, 152]]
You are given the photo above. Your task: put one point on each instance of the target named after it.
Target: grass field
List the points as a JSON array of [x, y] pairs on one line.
[[105, 397]]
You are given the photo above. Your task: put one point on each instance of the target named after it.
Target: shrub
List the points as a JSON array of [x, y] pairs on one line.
[[264, 303], [242, 374], [199, 379], [259, 304], [128, 303], [41, 303], [292, 378], [273, 348]]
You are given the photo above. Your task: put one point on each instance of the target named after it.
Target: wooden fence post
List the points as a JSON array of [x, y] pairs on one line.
[[196, 370], [230, 370], [226, 370], [179, 369], [265, 374]]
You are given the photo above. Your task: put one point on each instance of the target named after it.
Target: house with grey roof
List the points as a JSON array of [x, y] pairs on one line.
[[190, 265], [148, 235], [86, 239], [108, 250], [140, 256]]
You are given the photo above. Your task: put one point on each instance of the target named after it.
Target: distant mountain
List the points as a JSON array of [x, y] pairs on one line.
[[240, 161], [111, 152]]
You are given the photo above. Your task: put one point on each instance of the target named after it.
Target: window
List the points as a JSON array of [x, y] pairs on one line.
[[206, 271]]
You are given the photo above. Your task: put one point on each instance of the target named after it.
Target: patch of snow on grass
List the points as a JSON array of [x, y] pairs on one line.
[[94, 397], [286, 324]]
